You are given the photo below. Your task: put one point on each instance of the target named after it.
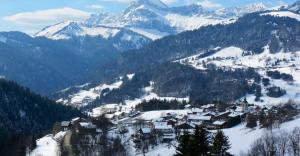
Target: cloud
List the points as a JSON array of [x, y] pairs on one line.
[[95, 6], [46, 17], [168, 2], [209, 4]]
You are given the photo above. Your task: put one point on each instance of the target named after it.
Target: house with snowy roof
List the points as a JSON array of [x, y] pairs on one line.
[[199, 118], [162, 127], [219, 124], [65, 125]]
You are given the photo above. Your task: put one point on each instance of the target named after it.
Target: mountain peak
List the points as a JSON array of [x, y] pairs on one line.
[[152, 3], [240, 11], [255, 7]]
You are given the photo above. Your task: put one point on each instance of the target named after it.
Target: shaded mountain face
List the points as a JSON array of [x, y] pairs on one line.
[[23, 112], [48, 65]]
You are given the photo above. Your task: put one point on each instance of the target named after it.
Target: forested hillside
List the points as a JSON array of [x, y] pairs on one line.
[[23, 113]]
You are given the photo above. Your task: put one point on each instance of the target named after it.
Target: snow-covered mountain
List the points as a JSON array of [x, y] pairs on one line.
[[295, 7], [240, 11], [149, 18]]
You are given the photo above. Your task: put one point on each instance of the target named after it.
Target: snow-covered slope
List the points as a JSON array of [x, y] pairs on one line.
[[84, 96], [287, 14], [240, 11], [66, 30], [234, 57]]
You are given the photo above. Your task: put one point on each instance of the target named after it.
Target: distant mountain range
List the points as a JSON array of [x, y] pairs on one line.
[[151, 19]]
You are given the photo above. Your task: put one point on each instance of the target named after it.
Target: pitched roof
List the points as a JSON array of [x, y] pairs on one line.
[[87, 125], [199, 117], [65, 123], [219, 123], [146, 130]]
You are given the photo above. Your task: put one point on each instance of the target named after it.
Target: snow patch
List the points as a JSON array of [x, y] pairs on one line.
[[130, 76], [3, 39], [150, 33], [283, 14]]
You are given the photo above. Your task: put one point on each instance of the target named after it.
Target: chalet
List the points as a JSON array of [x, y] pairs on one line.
[[188, 106], [119, 115], [219, 124], [65, 125], [199, 118], [168, 137], [212, 114], [109, 116], [74, 121], [86, 127], [162, 127], [222, 116], [197, 111], [184, 127], [134, 113], [110, 108], [172, 122], [169, 116], [209, 107], [145, 133]]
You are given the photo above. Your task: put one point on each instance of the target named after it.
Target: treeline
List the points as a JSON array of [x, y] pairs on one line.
[[24, 116], [277, 144], [203, 143], [156, 104]]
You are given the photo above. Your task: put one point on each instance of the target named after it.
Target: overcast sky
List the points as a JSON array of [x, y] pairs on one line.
[[31, 15]]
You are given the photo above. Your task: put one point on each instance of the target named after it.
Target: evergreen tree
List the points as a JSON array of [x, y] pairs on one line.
[[183, 148], [220, 144], [200, 142]]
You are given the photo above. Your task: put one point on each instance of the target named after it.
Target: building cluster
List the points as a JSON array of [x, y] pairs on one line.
[[79, 126], [171, 125]]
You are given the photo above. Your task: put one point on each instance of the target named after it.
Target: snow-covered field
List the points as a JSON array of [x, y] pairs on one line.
[[241, 138], [161, 150]]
